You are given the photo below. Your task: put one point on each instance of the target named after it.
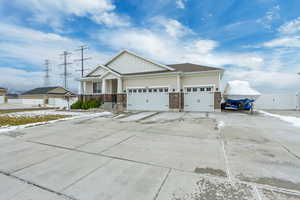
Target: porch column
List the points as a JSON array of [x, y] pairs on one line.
[[178, 83], [103, 86], [83, 85], [120, 86]]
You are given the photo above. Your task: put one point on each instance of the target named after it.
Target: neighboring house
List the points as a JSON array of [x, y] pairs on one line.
[[132, 82], [53, 96], [2, 95]]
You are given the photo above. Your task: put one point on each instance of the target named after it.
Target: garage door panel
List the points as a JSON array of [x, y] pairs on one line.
[[156, 101], [198, 100], [1, 99]]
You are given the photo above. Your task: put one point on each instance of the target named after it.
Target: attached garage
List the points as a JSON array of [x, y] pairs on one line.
[[199, 98], [2, 99], [142, 84], [148, 99]]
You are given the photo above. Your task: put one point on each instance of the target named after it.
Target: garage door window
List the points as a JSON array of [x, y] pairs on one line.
[[198, 89]]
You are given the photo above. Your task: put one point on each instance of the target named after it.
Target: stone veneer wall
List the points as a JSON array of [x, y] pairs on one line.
[[217, 100]]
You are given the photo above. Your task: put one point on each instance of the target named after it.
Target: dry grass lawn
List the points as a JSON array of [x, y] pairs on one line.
[[22, 110], [14, 121]]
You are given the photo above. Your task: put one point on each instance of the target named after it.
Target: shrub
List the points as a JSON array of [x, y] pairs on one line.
[[86, 105], [94, 104], [76, 105]]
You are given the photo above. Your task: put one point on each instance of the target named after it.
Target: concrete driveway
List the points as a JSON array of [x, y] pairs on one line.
[[176, 156]]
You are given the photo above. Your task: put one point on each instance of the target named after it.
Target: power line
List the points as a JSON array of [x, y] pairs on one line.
[[47, 76], [65, 54], [82, 59]]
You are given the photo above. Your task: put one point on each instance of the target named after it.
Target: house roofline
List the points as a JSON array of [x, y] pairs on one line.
[[146, 59]]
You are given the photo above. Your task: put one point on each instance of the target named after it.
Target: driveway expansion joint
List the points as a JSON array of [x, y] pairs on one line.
[[38, 186]]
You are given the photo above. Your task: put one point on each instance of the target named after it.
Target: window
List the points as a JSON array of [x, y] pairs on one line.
[[154, 90], [202, 89], [130, 91], [150, 90], [97, 87], [166, 89], [208, 89], [140, 90], [161, 90], [134, 91], [188, 89], [194, 89], [144, 90]]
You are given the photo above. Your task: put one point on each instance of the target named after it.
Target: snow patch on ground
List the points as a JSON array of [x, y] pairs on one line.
[[221, 124], [293, 120], [41, 113], [74, 115]]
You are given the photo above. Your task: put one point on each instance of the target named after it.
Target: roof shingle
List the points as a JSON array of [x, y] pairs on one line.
[[40, 90], [188, 67]]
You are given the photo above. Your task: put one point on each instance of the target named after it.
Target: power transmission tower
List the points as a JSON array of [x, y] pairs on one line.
[[82, 59], [47, 76], [65, 54]]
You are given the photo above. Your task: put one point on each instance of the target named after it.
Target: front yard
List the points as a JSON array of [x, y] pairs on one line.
[[15, 121]]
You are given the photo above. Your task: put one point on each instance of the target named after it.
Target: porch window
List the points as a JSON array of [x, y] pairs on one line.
[[97, 87]]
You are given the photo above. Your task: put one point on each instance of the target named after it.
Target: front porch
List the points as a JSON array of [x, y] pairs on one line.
[[108, 90]]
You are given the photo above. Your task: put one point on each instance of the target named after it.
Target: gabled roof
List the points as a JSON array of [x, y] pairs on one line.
[[182, 67], [45, 90], [134, 54], [189, 67]]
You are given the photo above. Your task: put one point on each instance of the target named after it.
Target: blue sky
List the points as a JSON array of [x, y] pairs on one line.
[[257, 40]]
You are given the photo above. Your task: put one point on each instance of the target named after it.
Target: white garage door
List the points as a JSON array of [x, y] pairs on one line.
[[199, 99], [1, 99], [156, 99]]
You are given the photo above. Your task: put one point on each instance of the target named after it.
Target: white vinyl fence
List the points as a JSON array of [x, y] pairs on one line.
[[278, 101], [15, 101], [62, 102], [29, 102]]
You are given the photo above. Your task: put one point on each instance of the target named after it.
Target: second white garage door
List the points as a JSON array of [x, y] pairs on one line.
[[199, 99], [1, 99], [154, 99]]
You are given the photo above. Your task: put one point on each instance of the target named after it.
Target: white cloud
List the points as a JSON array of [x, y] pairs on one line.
[[170, 26], [180, 4], [24, 45], [19, 80], [205, 46], [290, 27], [271, 15], [160, 46], [277, 81], [54, 12], [293, 41]]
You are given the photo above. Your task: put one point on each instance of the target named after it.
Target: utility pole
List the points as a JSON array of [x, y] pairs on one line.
[[65, 54], [47, 76], [82, 70], [82, 59]]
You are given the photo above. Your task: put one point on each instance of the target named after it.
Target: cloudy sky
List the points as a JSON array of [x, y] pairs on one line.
[[257, 40]]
